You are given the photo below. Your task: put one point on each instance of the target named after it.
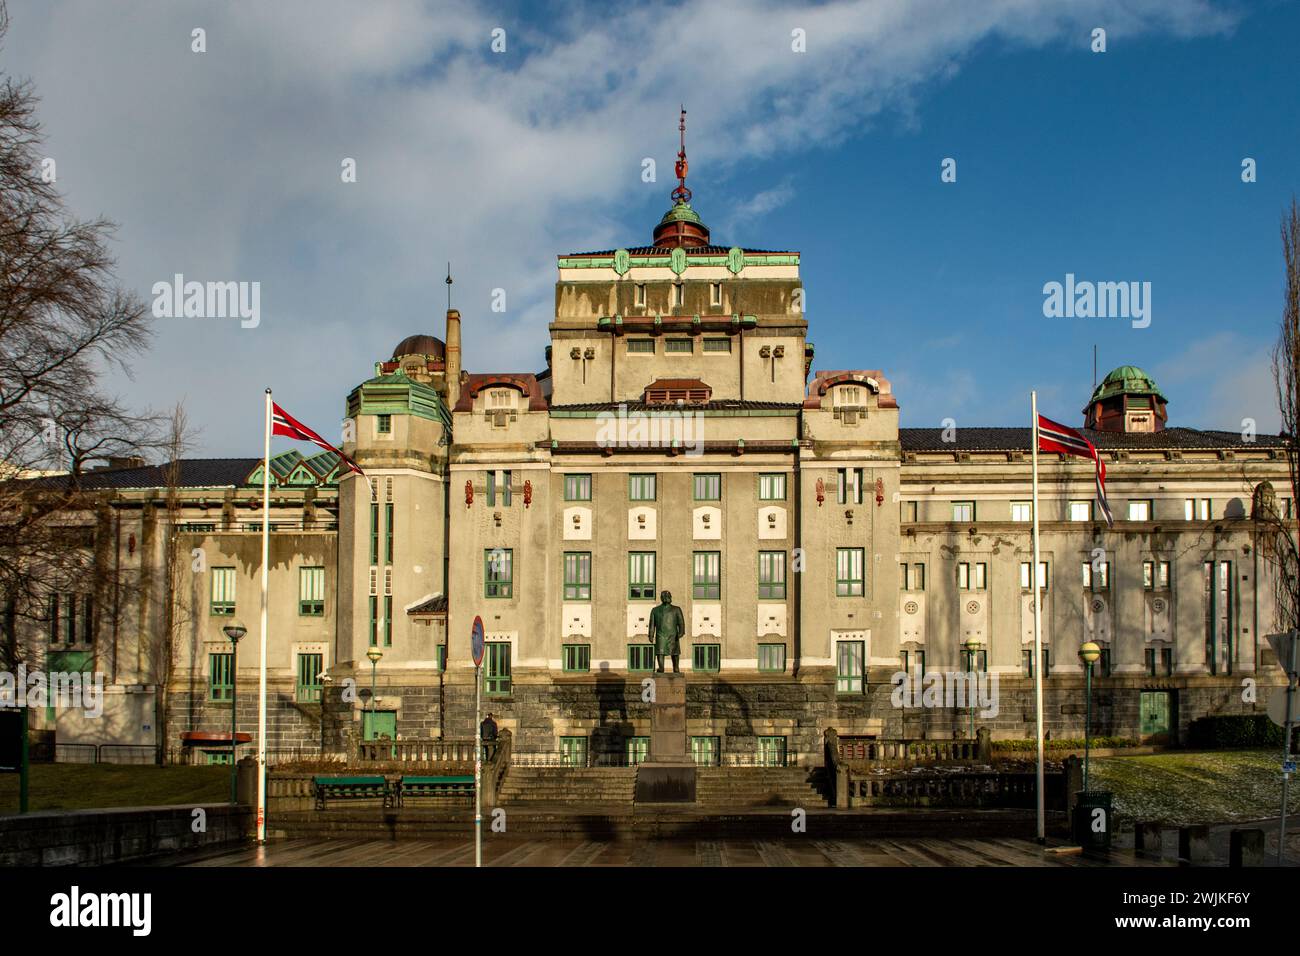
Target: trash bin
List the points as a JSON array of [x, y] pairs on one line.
[[1093, 820]]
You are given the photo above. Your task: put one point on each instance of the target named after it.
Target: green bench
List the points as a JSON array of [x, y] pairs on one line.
[[434, 787], [351, 788]]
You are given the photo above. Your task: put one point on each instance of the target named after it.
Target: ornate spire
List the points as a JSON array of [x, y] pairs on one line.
[[681, 193], [681, 225]]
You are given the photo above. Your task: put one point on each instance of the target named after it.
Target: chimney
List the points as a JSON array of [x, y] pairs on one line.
[[452, 358]]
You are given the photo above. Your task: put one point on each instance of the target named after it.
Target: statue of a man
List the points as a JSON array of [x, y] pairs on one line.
[[667, 625]]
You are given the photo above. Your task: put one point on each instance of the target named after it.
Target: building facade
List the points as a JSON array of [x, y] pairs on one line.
[[681, 439]]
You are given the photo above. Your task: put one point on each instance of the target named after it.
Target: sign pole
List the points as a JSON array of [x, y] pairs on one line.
[[476, 648], [1286, 750], [24, 763], [261, 669], [1037, 663]]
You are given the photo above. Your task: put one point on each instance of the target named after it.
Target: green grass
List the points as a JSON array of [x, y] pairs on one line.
[[1182, 787], [73, 786]]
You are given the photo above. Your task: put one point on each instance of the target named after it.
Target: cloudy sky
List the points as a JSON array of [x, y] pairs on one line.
[[1117, 166]]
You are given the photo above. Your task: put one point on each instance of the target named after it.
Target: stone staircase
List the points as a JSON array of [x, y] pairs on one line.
[[568, 785], [736, 787]]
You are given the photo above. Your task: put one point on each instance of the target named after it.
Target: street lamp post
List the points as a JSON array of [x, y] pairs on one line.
[[374, 654], [1089, 653], [325, 681], [972, 646], [234, 632]]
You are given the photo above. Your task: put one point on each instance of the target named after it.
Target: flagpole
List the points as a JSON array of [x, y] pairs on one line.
[[1037, 663], [261, 694]]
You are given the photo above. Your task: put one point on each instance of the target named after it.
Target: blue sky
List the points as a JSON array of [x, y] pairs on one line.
[[1115, 166]]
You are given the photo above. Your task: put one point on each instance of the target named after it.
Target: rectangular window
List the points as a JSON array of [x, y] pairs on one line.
[[850, 661], [573, 751], [1080, 510], [963, 511], [1196, 509], [223, 591], [717, 345], [771, 575], [705, 751], [913, 662], [771, 751], [388, 533], [715, 293], [640, 658], [374, 533], [1022, 511], [679, 345], [498, 481], [1098, 578], [771, 658], [220, 684], [909, 512], [708, 487], [499, 573], [309, 682], [1218, 616], [848, 572], [1155, 575], [636, 749], [577, 575], [496, 668], [577, 487], [640, 300], [1027, 662], [706, 577], [311, 592], [1139, 511], [678, 294], [849, 488], [913, 577], [577, 658], [706, 657], [641, 346], [374, 620], [1042, 575], [388, 620], [972, 576], [641, 488], [771, 487], [384, 424], [641, 576]]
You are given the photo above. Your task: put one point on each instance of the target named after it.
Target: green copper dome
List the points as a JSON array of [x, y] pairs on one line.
[[681, 212], [1127, 380]]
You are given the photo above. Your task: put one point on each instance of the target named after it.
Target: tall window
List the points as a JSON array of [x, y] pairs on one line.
[[771, 658], [71, 618], [1022, 511], [1196, 509], [496, 671], [1080, 510], [849, 488], [577, 575], [374, 533], [499, 572], [1042, 575], [641, 576], [850, 666], [220, 683], [913, 577], [1218, 616], [708, 487], [972, 575], [848, 572], [223, 591], [640, 296], [577, 658], [641, 488], [706, 657], [374, 620], [771, 575], [1027, 662], [963, 511], [309, 682], [715, 294], [384, 424], [577, 487], [498, 482], [1155, 575], [706, 578], [1160, 661], [909, 512], [311, 592], [771, 487], [1139, 511], [388, 532], [640, 657], [388, 620], [1096, 578]]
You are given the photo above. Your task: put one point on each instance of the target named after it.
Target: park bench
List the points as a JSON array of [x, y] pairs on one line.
[[456, 786], [351, 788]]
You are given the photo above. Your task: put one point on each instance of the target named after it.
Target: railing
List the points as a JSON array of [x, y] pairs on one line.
[[577, 759], [884, 752], [420, 752], [790, 758], [135, 754], [961, 789]]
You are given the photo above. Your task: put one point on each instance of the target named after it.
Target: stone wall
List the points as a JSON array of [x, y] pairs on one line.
[[99, 837]]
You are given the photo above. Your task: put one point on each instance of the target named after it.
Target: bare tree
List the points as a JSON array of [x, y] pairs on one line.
[[1275, 529], [64, 323]]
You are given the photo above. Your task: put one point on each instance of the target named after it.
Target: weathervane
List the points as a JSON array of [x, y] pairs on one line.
[[681, 193], [449, 287]]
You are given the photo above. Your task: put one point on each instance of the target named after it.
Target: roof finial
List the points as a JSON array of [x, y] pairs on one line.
[[448, 286], [681, 194]]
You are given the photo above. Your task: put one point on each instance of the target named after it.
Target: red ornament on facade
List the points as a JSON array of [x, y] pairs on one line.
[[880, 492], [821, 492], [469, 493], [528, 493]]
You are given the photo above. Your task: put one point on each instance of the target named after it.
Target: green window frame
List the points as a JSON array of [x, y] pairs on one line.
[[374, 620], [771, 658], [912, 576], [771, 487], [707, 487], [576, 658], [771, 575], [309, 686], [311, 592], [721, 344], [388, 533], [636, 749], [573, 751], [374, 532], [706, 576], [384, 424], [577, 487], [498, 572], [641, 487], [641, 576], [577, 575], [1027, 662], [221, 685], [496, 669], [223, 591], [441, 654], [641, 346], [850, 667], [388, 620], [504, 490], [771, 751], [849, 572], [640, 658], [705, 751], [706, 657], [679, 346]]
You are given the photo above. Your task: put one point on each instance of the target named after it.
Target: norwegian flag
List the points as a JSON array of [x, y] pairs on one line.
[[1055, 437], [282, 423]]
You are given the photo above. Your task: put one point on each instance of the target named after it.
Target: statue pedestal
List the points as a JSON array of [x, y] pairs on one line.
[[668, 776]]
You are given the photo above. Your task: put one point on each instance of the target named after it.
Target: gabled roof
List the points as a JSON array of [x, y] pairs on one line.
[[193, 473]]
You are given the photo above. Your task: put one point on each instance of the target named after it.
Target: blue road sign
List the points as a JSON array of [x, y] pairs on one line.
[[476, 641], [1288, 766]]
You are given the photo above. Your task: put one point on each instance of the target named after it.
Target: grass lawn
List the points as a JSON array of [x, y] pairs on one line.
[[1180, 787], [75, 786]]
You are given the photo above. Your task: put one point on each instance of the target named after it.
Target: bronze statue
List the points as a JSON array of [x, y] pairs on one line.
[[667, 625]]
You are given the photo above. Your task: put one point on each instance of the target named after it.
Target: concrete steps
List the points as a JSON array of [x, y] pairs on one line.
[[559, 785], [736, 787]]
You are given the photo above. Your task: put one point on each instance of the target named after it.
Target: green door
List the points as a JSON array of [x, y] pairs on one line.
[[1154, 713], [380, 723]]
